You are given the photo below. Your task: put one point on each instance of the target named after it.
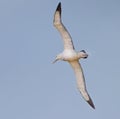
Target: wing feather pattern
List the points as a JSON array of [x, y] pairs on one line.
[[67, 40], [81, 82]]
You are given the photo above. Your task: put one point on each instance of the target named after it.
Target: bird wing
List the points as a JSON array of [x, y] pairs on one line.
[[67, 40], [81, 82]]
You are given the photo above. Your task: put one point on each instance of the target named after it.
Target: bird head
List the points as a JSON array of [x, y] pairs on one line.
[[58, 57]]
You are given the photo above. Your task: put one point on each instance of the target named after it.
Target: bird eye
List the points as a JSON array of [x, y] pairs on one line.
[[83, 51]]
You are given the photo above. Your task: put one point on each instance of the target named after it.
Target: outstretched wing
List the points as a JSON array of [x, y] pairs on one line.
[[67, 40], [81, 82]]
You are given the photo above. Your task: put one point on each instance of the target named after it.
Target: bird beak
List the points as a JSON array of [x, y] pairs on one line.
[[55, 61]]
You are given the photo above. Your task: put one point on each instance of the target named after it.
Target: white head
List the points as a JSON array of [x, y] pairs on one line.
[[58, 57], [82, 54]]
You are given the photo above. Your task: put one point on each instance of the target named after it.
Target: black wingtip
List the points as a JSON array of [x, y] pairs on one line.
[[91, 103], [59, 7]]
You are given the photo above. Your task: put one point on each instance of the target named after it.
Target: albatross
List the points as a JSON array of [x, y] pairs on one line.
[[71, 56]]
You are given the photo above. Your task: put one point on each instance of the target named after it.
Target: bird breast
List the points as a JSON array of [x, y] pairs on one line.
[[70, 55]]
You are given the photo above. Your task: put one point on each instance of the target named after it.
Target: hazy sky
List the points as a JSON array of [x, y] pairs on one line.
[[31, 87]]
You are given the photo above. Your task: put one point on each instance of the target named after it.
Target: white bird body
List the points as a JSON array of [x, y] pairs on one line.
[[69, 54]]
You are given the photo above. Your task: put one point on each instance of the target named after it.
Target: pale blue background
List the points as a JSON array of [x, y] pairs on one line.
[[31, 87]]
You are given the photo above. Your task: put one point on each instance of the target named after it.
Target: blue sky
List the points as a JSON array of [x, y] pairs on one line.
[[31, 87]]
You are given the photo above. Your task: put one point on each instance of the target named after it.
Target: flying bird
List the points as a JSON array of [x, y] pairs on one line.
[[70, 55]]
